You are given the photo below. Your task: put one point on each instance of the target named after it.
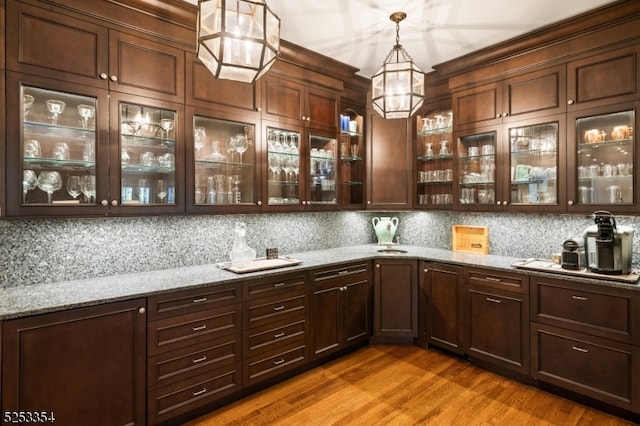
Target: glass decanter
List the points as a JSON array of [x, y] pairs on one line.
[[241, 253]]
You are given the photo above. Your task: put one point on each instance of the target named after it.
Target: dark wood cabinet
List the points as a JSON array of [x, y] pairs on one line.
[[395, 312], [342, 308], [442, 313], [194, 340], [497, 326], [275, 327], [389, 154], [85, 366]]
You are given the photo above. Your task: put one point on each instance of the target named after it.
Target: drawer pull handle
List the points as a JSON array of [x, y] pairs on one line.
[[278, 362], [202, 327], [574, 297], [203, 358], [279, 285], [343, 272], [278, 308], [576, 348], [201, 300], [278, 335], [491, 299], [497, 280], [200, 392]]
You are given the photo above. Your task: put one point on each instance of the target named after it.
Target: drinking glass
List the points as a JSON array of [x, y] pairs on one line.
[[166, 124], [60, 151], [241, 145], [29, 182], [55, 107], [32, 149], [27, 104], [49, 182], [88, 187], [232, 147], [89, 151], [199, 135], [73, 186], [86, 112], [161, 189], [275, 166]]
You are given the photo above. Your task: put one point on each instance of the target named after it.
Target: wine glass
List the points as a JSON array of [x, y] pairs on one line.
[[73, 186], [49, 182], [242, 144], [86, 112], [55, 107], [32, 149], [27, 104], [88, 186], [275, 165], [60, 151], [199, 135], [29, 182], [166, 124], [232, 147], [161, 189]]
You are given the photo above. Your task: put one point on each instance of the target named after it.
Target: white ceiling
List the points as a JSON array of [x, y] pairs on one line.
[[360, 33]]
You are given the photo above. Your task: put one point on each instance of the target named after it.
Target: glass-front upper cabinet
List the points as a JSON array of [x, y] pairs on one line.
[[476, 174], [435, 159], [284, 167], [323, 172], [351, 172], [534, 159], [604, 157], [147, 155]]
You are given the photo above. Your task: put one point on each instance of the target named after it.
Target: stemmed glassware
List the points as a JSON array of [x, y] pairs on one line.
[[161, 189], [29, 182], [55, 107], [86, 112], [27, 104], [49, 182], [241, 145], [166, 124], [232, 146], [88, 187], [73, 186], [275, 164], [199, 135]]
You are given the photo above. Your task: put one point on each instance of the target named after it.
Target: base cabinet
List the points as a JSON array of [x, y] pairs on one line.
[[80, 367], [395, 314], [342, 308]]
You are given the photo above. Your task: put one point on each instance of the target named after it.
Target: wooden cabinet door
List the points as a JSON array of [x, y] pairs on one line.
[[389, 152], [478, 106], [283, 100], [443, 315], [603, 79], [498, 328], [87, 365], [327, 307], [395, 301], [56, 46], [145, 67], [321, 109], [535, 94], [357, 312]]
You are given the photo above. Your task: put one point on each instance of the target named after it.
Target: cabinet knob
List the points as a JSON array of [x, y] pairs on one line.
[[104, 76], [308, 118], [505, 114], [368, 202], [104, 203], [114, 203], [571, 101], [499, 115], [377, 265], [259, 109], [426, 269], [304, 118], [259, 203], [570, 202], [504, 203], [498, 203], [142, 310], [114, 78]]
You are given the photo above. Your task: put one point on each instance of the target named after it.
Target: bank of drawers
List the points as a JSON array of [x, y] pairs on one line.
[[275, 329], [194, 348]]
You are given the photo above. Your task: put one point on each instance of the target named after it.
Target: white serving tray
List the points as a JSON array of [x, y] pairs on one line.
[[261, 264], [550, 266]]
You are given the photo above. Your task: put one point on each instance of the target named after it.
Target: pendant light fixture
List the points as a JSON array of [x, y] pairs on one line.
[[398, 86], [237, 39]]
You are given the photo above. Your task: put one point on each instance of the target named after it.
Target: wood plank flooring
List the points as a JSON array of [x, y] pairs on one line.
[[395, 385]]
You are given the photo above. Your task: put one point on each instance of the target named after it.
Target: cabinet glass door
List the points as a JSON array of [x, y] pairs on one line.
[[147, 156], [58, 148], [435, 159], [477, 168], [605, 152], [283, 159], [224, 157], [534, 164], [323, 154]]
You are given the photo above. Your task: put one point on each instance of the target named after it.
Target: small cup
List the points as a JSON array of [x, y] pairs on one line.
[[473, 151], [60, 151], [353, 126], [147, 158], [355, 150]]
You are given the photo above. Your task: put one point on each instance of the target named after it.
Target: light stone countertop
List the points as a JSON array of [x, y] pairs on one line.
[[49, 297]]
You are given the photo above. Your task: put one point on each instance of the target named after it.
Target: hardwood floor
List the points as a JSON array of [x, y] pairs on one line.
[[396, 385]]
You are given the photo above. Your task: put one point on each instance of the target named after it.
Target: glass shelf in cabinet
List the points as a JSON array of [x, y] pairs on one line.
[[437, 131], [211, 164], [350, 182], [141, 168], [435, 157], [475, 157], [54, 164], [526, 153], [436, 182], [474, 184], [29, 123], [349, 158], [48, 130], [605, 178], [530, 181], [588, 147], [350, 133], [146, 141]]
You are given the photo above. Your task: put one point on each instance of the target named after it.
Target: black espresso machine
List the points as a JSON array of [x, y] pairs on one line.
[[608, 247]]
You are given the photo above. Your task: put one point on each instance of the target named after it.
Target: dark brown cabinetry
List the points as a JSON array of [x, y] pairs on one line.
[[584, 339], [497, 304], [275, 326], [389, 154], [194, 348], [395, 312], [442, 313], [83, 366], [342, 308]]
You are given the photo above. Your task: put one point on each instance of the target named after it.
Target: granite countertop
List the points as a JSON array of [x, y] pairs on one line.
[[49, 297]]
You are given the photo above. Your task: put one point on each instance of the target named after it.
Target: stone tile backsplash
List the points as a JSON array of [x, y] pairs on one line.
[[50, 250]]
